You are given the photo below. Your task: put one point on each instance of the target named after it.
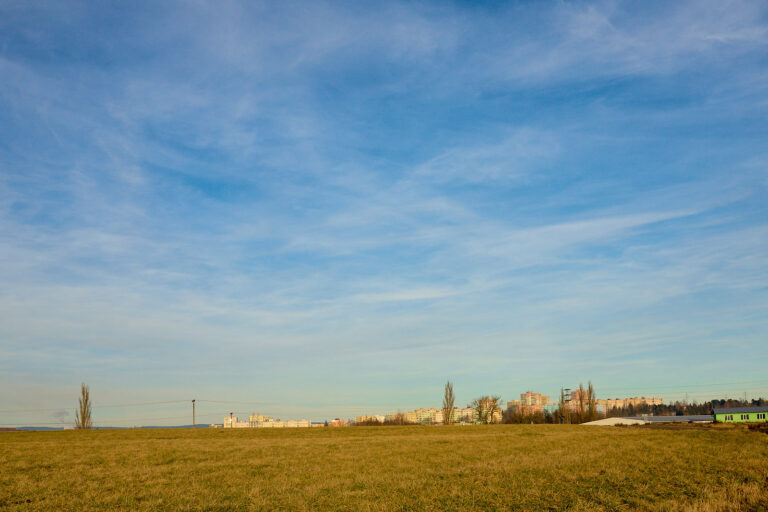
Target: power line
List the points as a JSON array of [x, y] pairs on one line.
[[243, 403], [294, 404], [104, 422], [34, 424], [141, 404], [710, 392], [692, 385], [660, 390]]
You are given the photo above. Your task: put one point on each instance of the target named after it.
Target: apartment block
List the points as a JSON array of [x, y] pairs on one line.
[[234, 422], [530, 398], [262, 421], [621, 403], [530, 403], [365, 418]]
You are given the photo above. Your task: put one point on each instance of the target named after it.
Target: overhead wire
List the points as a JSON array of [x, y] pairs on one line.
[[352, 408], [96, 406]]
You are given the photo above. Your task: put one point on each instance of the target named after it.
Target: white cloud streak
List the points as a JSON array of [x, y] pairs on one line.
[[435, 187]]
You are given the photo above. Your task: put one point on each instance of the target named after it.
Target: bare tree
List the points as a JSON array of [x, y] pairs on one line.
[[494, 409], [83, 413], [562, 412], [581, 404], [396, 419], [448, 404], [477, 405], [591, 403], [485, 408]]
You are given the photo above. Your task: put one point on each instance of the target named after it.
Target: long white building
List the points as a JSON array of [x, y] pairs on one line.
[[261, 421]]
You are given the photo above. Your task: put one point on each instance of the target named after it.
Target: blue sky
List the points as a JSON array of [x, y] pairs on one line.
[[334, 207]]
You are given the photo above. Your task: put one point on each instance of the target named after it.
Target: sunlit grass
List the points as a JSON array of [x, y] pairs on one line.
[[497, 467]]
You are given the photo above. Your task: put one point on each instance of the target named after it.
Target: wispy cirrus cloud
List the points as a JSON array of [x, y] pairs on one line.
[[516, 155], [315, 190]]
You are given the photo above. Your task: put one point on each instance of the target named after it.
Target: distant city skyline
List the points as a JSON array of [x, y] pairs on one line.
[[333, 208], [211, 410]]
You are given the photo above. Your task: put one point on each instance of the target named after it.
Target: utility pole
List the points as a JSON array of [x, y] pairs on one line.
[[194, 425]]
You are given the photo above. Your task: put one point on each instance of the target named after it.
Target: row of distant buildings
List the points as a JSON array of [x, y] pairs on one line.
[[261, 421], [529, 403], [416, 417], [427, 416]]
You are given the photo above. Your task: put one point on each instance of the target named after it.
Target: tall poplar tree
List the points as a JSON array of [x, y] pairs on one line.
[[448, 403], [83, 419]]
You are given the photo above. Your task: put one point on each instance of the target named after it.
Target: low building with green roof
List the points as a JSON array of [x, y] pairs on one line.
[[741, 414]]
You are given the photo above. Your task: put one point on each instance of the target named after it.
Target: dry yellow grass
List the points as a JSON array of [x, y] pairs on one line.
[[497, 467]]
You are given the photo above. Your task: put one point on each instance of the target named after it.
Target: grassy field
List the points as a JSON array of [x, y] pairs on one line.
[[496, 467]]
